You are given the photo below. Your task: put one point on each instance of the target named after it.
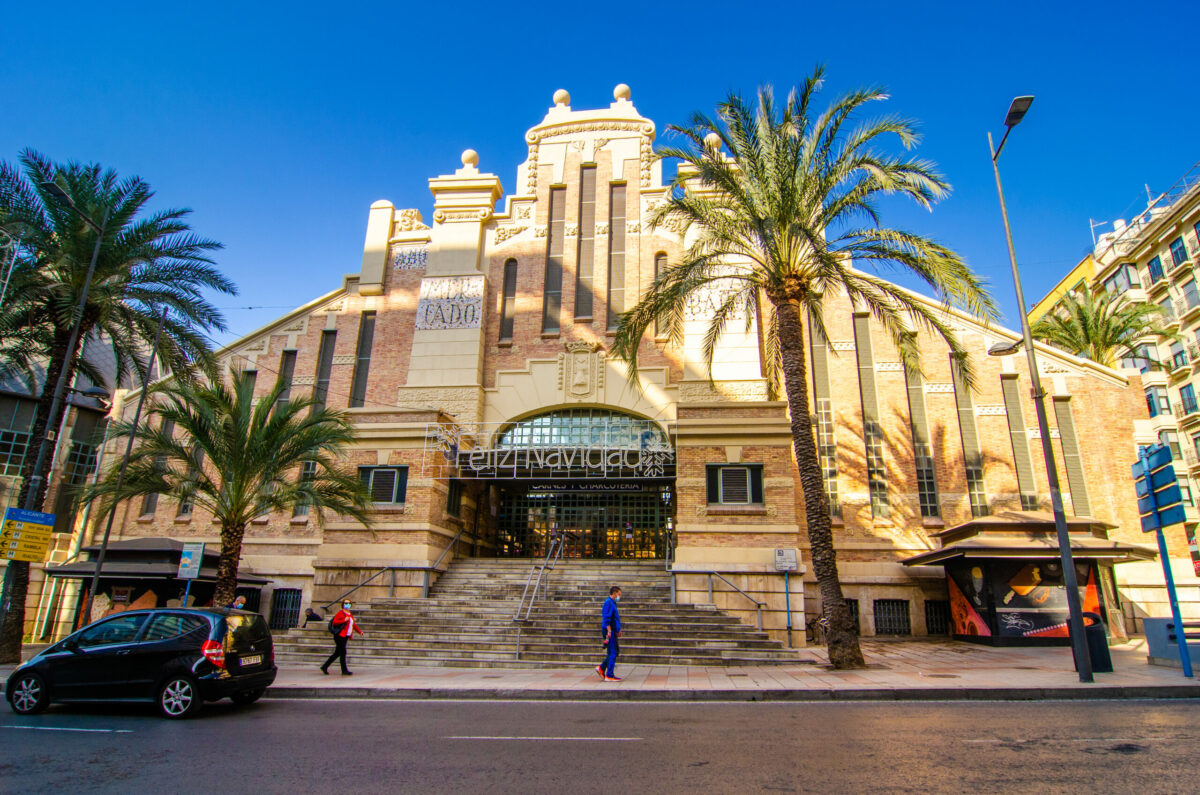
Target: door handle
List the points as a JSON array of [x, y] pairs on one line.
[[123, 651]]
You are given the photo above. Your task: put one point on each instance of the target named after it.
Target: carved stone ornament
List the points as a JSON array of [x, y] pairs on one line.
[[842, 346], [996, 410], [460, 216], [409, 221], [505, 232], [580, 374], [539, 231], [633, 228], [524, 211], [601, 229], [889, 367], [343, 358], [409, 257], [532, 168], [571, 230], [939, 389]]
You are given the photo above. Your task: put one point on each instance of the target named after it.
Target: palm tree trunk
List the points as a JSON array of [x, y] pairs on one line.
[[842, 639], [16, 576], [227, 566]]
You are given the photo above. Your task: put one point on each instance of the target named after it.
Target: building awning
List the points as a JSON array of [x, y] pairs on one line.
[[133, 570], [1028, 535], [146, 559]]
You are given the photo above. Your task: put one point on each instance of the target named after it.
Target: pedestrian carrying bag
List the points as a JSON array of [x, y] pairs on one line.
[[335, 628]]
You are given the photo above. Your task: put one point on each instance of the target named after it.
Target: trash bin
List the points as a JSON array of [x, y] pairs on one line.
[[1097, 643]]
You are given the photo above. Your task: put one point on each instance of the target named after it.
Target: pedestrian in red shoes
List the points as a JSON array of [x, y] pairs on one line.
[[610, 629], [343, 626]]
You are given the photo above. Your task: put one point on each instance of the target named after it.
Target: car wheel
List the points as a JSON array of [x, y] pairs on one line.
[[27, 695], [179, 697], [247, 696]]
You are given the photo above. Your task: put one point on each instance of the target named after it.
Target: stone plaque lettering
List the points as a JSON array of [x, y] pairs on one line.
[[450, 302]]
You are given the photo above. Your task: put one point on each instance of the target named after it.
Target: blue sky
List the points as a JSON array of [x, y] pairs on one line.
[[279, 124]]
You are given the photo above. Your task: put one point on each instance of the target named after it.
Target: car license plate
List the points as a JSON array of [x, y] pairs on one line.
[[253, 659]]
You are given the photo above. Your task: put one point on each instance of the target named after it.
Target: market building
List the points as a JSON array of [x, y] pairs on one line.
[[472, 352]]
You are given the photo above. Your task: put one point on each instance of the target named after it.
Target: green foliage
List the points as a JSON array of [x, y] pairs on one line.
[[1100, 326], [236, 457], [148, 261], [787, 212]]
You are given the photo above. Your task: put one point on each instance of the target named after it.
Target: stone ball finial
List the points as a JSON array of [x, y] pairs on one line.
[[470, 157], [561, 97], [621, 92], [712, 141]]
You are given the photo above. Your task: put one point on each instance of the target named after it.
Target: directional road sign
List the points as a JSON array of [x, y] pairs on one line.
[[25, 535]]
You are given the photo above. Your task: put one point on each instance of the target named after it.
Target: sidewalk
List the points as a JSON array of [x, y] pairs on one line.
[[897, 671], [900, 671]]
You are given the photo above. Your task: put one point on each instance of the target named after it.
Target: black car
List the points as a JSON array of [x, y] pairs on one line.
[[175, 657]]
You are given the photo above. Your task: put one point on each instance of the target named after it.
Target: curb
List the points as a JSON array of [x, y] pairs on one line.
[[1102, 692]]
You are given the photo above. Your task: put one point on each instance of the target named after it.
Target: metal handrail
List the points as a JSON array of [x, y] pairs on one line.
[[332, 602], [452, 545], [553, 556], [757, 604]]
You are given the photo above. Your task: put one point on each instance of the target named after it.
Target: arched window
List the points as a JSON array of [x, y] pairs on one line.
[[585, 427]]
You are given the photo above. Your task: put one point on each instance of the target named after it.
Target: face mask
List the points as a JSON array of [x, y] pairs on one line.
[[346, 606], [617, 598]]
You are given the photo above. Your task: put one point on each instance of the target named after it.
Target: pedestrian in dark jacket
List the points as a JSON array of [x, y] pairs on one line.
[[344, 626], [310, 615], [610, 629]]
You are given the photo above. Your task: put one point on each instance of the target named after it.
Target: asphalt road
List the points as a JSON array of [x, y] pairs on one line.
[[576, 748]]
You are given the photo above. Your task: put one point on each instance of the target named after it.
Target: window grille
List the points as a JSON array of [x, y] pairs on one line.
[[937, 616], [454, 498], [892, 618], [387, 485], [285, 608], [735, 485]]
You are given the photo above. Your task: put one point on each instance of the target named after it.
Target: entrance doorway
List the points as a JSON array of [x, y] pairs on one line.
[[600, 520]]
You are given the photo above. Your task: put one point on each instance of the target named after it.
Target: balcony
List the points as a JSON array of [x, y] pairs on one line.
[[1176, 269], [1187, 308], [1190, 459], [1179, 362], [1188, 412], [1193, 353]]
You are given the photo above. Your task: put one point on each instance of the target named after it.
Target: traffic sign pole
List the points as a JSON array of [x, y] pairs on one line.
[[1185, 656]]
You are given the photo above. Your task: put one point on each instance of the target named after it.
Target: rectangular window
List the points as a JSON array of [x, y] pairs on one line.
[[1022, 461], [87, 434], [508, 301], [454, 497], [1187, 396], [287, 370], [186, 506], [1191, 295], [927, 492], [587, 243], [1185, 492], [1072, 457], [823, 400], [1125, 277], [150, 501], [16, 424], [552, 288], [1171, 439], [1167, 308], [1144, 358], [387, 485], [324, 367], [308, 471], [892, 618], [1157, 401], [616, 254], [1178, 251], [877, 483], [251, 377], [1156, 269], [972, 454], [937, 616], [660, 265], [362, 359], [1178, 355], [740, 484]]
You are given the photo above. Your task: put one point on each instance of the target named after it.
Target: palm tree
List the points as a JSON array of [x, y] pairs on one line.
[[782, 216], [218, 448], [1100, 326], [148, 261]]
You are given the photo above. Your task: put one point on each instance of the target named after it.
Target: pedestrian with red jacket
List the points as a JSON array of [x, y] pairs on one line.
[[343, 626]]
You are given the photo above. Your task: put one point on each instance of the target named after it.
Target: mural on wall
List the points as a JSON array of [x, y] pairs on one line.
[[965, 611], [450, 302], [1030, 599]]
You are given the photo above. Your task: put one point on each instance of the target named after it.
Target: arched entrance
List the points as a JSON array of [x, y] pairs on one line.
[[604, 478]]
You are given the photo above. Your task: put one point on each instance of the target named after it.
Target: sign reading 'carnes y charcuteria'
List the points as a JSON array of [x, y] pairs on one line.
[[450, 302]]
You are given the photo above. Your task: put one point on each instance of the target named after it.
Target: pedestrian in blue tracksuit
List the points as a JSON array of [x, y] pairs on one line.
[[610, 628]]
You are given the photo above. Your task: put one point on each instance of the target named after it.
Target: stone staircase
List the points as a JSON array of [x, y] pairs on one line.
[[467, 621]]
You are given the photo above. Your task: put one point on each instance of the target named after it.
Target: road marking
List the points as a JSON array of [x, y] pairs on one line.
[[65, 729], [1079, 740], [556, 739]]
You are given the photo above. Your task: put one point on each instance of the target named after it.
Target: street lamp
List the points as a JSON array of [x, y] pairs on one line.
[[1083, 662]]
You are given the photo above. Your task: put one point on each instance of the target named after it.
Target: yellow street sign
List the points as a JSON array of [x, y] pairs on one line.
[[22, 555], [22, 543], [25, 535]]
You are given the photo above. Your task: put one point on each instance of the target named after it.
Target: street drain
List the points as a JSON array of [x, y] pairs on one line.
[[492, 677]]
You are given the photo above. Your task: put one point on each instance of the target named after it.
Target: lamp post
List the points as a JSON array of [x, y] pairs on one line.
[[1083, 662], [112, 509]]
